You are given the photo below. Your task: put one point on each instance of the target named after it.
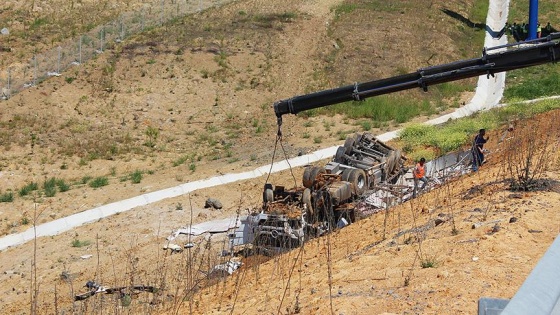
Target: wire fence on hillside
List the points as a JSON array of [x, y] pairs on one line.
[[76, 51]]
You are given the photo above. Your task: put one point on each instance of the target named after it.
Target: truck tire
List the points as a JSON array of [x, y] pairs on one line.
[[310, 175], [346, 174], [358, 179], [306, 199], [268, 195], [349, 144], [339, 156]]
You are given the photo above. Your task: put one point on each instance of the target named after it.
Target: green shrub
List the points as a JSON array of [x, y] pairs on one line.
[[136, 177], [85, 179], [78, 243], [62, 185], [99, 182], [27, 189], [7, 197], [49, 186]]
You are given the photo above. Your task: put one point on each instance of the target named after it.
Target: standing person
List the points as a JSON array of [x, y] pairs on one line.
[[419, 173], [478, 149]]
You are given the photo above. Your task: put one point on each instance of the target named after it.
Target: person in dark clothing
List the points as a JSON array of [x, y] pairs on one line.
[[478, 149]]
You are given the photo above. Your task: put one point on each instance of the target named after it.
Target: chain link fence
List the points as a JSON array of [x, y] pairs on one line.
[[76, 51]]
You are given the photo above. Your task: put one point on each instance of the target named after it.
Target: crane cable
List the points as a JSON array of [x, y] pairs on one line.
[[279, 140]]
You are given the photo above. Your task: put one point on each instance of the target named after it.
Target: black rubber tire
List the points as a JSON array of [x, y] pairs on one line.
[[310, 175], [306, 199], [349, 144], [358, 179], [346, 174], [268, 195], [339, 156]]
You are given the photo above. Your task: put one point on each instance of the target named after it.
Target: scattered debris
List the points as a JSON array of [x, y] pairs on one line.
[[479, 224], [512, 220], [86, 256], [173, 247], [124, 292], [213, 203], [224, 269], [534, 231], [5, 31]]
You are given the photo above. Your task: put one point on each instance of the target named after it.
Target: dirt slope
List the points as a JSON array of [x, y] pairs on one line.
[[189, 101]]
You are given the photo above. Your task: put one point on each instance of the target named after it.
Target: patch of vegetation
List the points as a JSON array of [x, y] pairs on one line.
[[62, 185], [136, 177], [99, 182], [27, 189], [534, 82], [152, 133], [379, 109], [85, 180], [49, 187], [78, 243], [7, 197], [417, 138], [428, 263]]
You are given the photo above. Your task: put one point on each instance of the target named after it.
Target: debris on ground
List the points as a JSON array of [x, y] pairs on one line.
[[124, 292], [213, 203]]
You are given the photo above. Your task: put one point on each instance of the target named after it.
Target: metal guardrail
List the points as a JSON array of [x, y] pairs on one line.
[[539, 294]]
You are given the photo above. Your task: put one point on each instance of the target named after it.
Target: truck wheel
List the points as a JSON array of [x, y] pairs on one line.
[[349, 144], [339, 156], [268, 195], [310, 175], [306, 199], [358, 178], [346, 174]]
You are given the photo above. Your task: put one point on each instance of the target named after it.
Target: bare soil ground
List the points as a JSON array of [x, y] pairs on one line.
[[192, 100]]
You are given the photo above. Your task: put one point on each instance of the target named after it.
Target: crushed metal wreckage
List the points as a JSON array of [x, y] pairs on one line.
[[123, 292], [365, 176]]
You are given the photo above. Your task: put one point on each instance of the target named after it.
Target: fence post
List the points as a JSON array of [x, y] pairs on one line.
[[80, 49], [59, 58], [101, 38], [122, 28], [142, 17], [9, 91], [35, 70], [161, 14]]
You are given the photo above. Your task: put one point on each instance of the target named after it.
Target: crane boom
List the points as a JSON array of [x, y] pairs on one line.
[[494, 60]]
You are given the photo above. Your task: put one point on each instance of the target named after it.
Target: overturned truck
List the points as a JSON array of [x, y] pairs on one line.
[[327, 198]]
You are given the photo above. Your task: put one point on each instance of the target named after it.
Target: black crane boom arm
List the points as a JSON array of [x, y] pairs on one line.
[[493, 60]]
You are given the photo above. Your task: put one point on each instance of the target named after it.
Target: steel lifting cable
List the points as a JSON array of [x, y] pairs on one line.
[[279, 140]]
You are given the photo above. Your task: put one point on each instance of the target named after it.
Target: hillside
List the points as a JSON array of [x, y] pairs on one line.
[[193, 99]]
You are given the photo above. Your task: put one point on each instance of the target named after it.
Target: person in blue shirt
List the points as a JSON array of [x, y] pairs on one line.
[[478, 149]]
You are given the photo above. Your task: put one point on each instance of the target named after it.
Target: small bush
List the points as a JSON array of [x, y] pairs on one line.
[[62, 185], [136, 177], [27, 189], [99, 182], [85, 179], [7, 197], [49, 186], [78, 243]]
